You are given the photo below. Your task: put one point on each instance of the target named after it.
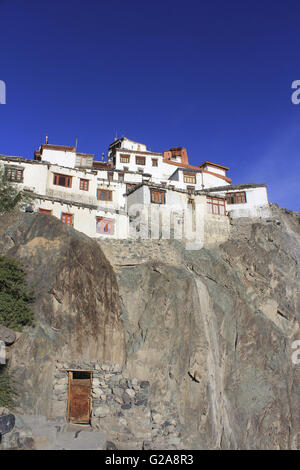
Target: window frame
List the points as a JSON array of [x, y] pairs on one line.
[[67, 216], [155, 162], [84, 182], [45, 211], [140, 160], [108, 192], [189, 176], [102, 222], [124, 158], [68, 183], [191, 201], [216, 204], [110, 175], [238, 197], [11, 170], [157, 196]]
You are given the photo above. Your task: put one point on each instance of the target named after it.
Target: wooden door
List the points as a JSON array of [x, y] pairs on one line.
[[79, 403]]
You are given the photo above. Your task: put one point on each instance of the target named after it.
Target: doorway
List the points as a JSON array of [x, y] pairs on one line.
[[79, 399]]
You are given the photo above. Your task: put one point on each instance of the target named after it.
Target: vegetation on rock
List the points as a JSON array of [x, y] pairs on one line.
[[14, 295], [6, 390], [12, 198]]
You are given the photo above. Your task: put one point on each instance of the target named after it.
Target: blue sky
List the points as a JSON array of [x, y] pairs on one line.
[[212, 76]]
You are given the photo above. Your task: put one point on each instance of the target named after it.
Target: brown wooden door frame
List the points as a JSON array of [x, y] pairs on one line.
[[70, 383]]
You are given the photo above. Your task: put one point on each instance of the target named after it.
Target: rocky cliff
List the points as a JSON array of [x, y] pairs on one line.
[[202, 339]]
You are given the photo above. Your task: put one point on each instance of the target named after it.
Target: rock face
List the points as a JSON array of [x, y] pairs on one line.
[[77, 307], [7, 335], [204, 339]]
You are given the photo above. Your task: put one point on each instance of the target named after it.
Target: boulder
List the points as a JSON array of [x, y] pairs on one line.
[[7, 335]]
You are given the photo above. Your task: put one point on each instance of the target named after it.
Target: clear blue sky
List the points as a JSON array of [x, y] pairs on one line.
[[214, 76]]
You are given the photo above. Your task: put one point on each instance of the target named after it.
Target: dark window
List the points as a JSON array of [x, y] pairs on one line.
[[14, 174], [104, 195], [157, 196], [110, 175], [121, 176], [67, 219], [236, 198], [62, 180], [154, 162], [81, 375], [124, 158], [140, 160], [84, 185]]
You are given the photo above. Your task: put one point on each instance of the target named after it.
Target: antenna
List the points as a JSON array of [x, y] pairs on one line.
[[102, 158], [46, 139], [76, 143]]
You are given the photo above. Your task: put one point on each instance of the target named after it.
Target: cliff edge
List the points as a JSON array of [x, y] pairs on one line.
[[202, 340]]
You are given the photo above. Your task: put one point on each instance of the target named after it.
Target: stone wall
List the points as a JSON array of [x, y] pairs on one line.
[[121, 408]]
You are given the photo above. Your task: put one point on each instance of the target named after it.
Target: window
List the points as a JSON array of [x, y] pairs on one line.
[[81, 375], [45, 211], [125, 168], [124, 158], [14, 174], [129, 187], [104, 195], [189, 178], [215, 205], [154, 162], [236, 198], [140, 160], [110, 175], [84, 185], [121, 176], [191, 202], [67, 219], [105, 226], [157, 196], [62, 180], [141, 170]]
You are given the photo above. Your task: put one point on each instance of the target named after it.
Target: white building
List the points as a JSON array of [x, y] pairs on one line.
[[106, 199]]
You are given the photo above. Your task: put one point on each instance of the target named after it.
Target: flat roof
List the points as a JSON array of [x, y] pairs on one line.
[[233, 187]]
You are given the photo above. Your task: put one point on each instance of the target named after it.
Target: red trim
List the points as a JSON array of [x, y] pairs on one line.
[[45, 211], [219, 176], [182, 165], [58, 147], [214, 164]]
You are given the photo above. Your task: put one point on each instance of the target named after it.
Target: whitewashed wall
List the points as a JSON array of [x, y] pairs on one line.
[[60, 157]]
